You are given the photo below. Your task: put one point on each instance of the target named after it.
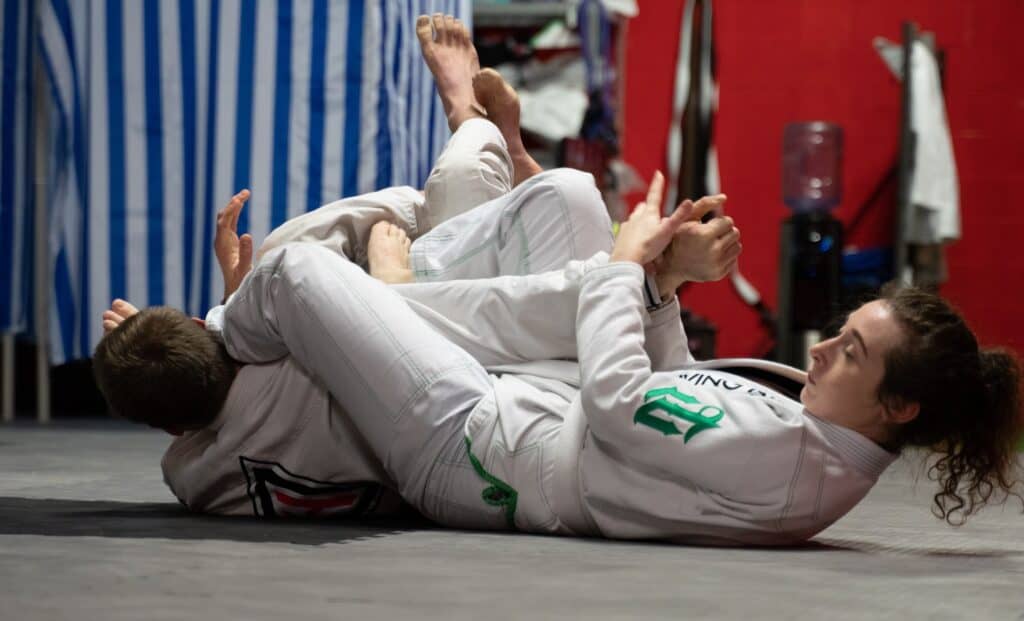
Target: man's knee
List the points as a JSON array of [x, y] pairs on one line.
[[579, 195], [295, 263]]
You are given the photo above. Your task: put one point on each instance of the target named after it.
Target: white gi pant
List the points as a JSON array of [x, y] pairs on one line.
[[408, 362]]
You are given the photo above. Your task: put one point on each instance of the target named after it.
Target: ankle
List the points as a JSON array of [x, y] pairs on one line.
[[460, 113]]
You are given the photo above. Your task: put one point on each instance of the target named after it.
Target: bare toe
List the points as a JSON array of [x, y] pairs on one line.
[[450, 33], [423, 31], [438, 21]]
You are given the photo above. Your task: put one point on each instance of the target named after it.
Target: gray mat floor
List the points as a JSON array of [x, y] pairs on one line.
[[88, 531]]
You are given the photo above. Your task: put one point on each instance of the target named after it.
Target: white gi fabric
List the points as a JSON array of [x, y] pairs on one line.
[[414, 386], [653, 446], [650, 447], [281, 445], [714, 458]]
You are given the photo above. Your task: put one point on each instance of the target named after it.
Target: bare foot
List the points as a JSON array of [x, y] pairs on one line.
[[502, 104], [388, 253], [448, 50]]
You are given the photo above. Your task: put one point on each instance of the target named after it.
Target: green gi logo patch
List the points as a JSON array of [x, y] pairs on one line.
[[700, 417]]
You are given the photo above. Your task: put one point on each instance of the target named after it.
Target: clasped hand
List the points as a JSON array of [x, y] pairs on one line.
[[678, 248]]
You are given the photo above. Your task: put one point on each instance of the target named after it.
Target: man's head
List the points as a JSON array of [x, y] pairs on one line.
[[162, 368]]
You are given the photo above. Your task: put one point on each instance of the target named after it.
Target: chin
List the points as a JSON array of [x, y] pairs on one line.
[[805, 396]]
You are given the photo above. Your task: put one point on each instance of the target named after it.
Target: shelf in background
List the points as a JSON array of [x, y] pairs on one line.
[[520, 14]]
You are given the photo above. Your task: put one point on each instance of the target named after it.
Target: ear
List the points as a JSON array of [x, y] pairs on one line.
[[200, 322], [903, 413]]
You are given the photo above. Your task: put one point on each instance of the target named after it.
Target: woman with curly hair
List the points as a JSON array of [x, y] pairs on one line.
[[938, 391], [637, 440]]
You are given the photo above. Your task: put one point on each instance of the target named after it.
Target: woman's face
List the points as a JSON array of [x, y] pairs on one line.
[[845, 372]]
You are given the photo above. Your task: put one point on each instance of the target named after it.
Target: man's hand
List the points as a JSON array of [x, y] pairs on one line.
[[234, 253], [644, 236], [119, 311], [699, 252]]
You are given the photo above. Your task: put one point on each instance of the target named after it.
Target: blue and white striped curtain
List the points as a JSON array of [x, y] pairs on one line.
[[165, 108], [15, 169]]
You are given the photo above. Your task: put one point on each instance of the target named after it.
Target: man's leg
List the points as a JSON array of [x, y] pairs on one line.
[[406, 388]]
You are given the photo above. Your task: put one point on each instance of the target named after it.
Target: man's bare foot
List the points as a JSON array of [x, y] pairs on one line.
[[502, 104], [388, 253], [448, 50]]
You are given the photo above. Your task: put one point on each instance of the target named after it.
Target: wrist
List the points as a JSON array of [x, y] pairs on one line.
[[618, 256], [668, 284]]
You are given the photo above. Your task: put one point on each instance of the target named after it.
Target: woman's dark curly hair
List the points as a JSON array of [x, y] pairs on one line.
[[970, 401]]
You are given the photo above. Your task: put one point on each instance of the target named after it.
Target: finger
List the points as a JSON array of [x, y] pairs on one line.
[[245, 252], [682, 214], [729, 238], [734, 251], [223, 215], [109, 315], [718, 227], [729, 267], [731, 253], [707, 204], [236, 208], [108, 326], [123, 307], [654, 193]]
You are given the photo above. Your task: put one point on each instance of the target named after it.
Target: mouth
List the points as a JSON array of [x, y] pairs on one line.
[[810, 379]]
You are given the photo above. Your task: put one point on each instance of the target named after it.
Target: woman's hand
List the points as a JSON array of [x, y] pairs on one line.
[[700, 252], [644, 236]]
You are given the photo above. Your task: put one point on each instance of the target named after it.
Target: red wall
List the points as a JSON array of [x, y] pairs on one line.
[[782, 61]]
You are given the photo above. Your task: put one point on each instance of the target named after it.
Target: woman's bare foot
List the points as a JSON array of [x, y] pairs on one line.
[[448, 50], [502, 104], [388, 253]]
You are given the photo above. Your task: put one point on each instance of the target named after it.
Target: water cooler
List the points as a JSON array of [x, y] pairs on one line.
[[811, 239]]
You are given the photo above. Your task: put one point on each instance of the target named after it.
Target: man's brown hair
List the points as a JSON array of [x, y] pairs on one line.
[[161, 368]]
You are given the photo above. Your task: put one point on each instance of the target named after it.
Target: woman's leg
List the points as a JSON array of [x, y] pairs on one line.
[[545, 222]]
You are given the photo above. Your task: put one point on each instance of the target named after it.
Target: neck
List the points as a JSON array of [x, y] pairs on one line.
[[876, 431]]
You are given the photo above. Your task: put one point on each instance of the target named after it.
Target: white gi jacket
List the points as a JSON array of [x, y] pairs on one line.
[[280, 446], [655, 445]]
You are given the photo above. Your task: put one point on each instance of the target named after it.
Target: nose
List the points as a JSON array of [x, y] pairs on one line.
[[819, 351]]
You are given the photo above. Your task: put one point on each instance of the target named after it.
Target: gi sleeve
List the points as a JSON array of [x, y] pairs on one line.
[[344, 225], [665, 339], [637, 416]]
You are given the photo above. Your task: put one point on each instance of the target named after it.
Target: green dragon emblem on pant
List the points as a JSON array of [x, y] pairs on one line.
[[700, 417]]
